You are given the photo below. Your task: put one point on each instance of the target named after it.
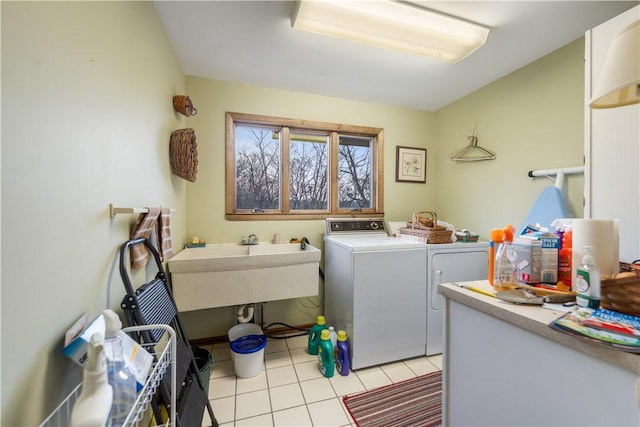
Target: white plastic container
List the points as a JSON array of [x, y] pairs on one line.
[[94, 403], [247, 344], [244, 329], [241, 330]]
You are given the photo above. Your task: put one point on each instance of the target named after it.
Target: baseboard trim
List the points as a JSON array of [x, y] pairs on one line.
[[271, 332]]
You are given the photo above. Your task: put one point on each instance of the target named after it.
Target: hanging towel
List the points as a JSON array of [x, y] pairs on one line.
[[145, 224], [165, 247]]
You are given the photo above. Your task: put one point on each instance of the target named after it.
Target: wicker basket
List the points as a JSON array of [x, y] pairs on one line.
[[183, 105], [183, 154], [622, 295], [425, 225]]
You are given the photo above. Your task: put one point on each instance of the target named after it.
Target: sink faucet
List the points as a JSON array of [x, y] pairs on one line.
[[251, 240], [303, 243]]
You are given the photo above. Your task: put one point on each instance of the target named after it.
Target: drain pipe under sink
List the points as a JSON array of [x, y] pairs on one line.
[[242, 317]]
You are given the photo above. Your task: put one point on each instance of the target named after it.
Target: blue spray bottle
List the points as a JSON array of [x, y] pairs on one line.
[[314, 335], [326, 362], [342, 359]]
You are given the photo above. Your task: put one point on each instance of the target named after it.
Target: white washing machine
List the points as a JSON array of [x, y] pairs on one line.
[[447, 263], [375, 290]]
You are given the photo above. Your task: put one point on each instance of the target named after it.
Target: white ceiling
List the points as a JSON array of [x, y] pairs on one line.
[[253, 42]]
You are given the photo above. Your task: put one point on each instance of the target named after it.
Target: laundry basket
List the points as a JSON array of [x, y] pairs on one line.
[[424, 225]]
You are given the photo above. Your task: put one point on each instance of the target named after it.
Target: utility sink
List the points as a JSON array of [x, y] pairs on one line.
[[227, 274]]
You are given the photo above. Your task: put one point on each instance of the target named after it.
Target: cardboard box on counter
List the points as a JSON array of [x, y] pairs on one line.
[[528, 260], [548, 253]]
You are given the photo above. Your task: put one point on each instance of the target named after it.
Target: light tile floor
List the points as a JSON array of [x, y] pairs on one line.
[[291, 391]]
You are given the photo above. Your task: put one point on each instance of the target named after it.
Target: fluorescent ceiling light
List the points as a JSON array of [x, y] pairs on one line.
[[392, 25], [619, 83]]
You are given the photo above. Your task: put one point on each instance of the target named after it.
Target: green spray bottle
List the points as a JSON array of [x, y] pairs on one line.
[[326, 361], [314, 335]]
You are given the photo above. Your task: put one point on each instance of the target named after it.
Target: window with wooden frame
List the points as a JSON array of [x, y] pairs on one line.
[[278, 168]]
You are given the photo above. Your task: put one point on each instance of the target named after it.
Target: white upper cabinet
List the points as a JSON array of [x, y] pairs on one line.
[[612, 146]]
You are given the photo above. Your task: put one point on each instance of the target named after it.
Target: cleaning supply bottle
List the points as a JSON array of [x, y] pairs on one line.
[[94, 403], [314, 335], [326, 363], [342, 358], [506, 276], [588, 281], [565, 260], [121, 378], [334, 340], [496, 237]]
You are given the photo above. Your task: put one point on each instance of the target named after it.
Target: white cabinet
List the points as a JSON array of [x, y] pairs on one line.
[[504, 366], [612, 146]]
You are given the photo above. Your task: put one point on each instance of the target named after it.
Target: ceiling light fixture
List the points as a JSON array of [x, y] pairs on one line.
[[619, 82], [392, 25]]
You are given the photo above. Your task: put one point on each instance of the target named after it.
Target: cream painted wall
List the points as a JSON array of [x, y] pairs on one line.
[[86, 119], [533, 119], [205, 197]]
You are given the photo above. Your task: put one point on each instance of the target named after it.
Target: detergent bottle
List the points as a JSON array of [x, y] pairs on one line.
[[314, 335], [326, 363], [342, 358]]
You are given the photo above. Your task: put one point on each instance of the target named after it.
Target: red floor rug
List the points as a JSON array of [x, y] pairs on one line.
[[416, 402]]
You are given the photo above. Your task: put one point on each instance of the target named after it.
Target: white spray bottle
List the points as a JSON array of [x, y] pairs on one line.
[[94, 403]]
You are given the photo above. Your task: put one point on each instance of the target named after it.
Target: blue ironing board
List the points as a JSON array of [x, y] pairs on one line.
[[548, 206]]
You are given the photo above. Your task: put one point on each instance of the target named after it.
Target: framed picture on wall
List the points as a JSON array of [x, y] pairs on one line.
[[411, 164]]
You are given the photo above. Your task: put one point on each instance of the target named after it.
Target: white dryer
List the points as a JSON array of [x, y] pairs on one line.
[[447, 263]]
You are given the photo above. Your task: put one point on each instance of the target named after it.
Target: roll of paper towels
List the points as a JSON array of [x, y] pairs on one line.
[[602, 236]]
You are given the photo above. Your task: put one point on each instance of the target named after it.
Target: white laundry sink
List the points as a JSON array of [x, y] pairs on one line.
[[227, 274]]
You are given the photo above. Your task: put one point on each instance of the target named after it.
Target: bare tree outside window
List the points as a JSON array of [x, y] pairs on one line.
[[286, 168], [308, 170], [257, 169], [354, 172]]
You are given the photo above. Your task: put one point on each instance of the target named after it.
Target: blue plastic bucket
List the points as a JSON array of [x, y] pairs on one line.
[[249, 344], [248, 354]]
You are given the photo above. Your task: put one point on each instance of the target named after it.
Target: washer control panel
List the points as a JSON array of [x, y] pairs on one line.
[[355, 226]]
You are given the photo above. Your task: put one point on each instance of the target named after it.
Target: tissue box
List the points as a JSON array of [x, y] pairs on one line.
[[77, 341]]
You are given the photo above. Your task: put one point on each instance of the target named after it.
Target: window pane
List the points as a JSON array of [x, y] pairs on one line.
[[354, 172], [257, 168], [308, 157]]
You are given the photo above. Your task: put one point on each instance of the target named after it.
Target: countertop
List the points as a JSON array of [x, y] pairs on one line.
[[534, 319]]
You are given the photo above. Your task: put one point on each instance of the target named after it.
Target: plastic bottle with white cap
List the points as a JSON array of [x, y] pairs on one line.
[[121, 378]]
